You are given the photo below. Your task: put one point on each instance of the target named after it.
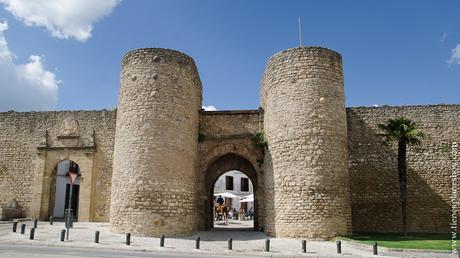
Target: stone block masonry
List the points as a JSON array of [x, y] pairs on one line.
[[156, 144], [373, 169], [305, 124], [31, 147]]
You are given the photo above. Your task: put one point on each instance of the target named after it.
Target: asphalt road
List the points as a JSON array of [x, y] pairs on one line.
[[24, 251]]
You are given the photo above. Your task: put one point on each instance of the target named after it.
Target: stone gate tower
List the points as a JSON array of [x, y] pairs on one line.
[[155, 154], [302, 96]]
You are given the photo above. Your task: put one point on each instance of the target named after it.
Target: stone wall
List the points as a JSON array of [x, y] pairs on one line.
[[26, 137], [373, 169], [9, 213], [305, 124]]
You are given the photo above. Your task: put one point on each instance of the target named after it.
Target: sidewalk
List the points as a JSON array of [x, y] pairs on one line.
[[247, 243]]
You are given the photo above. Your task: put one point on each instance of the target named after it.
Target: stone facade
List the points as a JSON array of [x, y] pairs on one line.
[[32, 144], [149, 167]]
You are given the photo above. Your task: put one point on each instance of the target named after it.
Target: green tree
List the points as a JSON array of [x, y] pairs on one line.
[[405, 132]]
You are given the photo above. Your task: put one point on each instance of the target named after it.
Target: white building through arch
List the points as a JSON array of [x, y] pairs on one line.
[[238, 184]]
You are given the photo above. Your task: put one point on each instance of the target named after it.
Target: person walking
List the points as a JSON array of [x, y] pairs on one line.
[[241, 213]]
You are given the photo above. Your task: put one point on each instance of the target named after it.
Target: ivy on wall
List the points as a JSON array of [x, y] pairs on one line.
[[259, 141]]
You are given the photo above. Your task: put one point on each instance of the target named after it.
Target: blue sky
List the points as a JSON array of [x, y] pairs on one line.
[[394, 52]]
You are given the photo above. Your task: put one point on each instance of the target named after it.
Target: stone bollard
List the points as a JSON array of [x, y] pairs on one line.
[[35, 223], [128, 238], [23, 229], [32, 234], [197, 243], [62, 235], [51, 220], [375, 248], [15, 226], [96, 237], [162, 241], [267, 245], [304, 246], [230, 244], [339, 246]]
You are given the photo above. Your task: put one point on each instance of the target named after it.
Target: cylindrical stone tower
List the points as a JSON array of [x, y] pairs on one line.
[[155, 156], [302, 96]]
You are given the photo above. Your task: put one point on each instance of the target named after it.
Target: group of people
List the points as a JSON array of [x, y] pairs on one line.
[[242, 214]]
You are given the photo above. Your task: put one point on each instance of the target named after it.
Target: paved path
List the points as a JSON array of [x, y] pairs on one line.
[[214, 242], [232, 224]]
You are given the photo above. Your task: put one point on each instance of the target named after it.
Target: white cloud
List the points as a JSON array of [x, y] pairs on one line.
[[209, 108], [455, 56], [63, 18], [25, 87]]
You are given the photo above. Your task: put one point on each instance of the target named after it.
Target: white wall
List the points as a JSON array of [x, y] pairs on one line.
[[219, 187]]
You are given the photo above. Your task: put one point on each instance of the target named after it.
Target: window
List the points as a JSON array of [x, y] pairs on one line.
[[244, 184], [229, 182]]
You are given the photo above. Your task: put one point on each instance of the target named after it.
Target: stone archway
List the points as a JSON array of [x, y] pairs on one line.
[[223, 164], [45, 163]]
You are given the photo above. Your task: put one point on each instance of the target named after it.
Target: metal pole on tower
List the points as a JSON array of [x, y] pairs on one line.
[[300, 32]]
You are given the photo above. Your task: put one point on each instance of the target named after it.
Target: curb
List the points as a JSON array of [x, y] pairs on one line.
[[4, 222], [204, 253]]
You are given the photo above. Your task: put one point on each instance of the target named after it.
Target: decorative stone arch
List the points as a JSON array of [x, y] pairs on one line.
[[45, 165], [239, 151]]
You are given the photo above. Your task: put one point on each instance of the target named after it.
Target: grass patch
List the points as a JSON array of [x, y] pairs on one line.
[[412, 241]]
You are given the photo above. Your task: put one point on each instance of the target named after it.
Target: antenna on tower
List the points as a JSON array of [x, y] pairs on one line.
[[300, 32]]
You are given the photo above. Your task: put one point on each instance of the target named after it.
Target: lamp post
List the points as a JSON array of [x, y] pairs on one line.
[[73, 174]]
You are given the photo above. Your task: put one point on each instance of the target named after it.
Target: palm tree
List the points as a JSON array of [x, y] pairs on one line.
[[405, 132]]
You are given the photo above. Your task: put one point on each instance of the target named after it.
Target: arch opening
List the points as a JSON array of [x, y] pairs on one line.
[[231, 175], [61, 197], [235, 191]]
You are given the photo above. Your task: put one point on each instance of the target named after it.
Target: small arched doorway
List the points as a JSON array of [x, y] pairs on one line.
[[235, 190], [61, 197], [222, 165]]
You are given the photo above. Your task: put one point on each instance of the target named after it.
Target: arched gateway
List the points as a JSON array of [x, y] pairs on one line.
[[168, 153], [223, 164]]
